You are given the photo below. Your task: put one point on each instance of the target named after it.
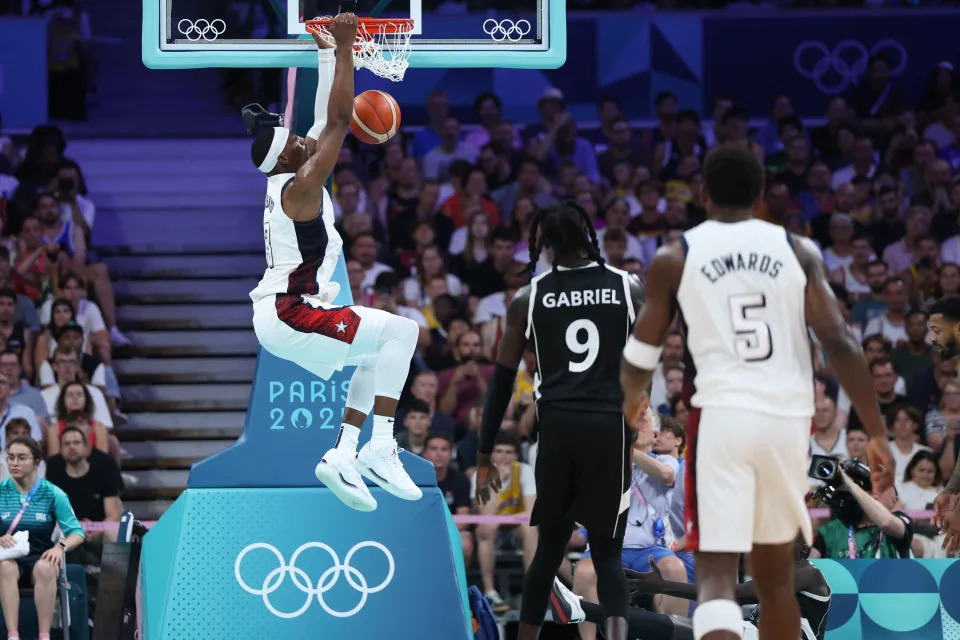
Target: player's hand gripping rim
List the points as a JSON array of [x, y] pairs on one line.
[[488, 479]]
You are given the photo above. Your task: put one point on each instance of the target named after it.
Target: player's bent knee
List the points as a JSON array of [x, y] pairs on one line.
[[404, 329], [717, 615]]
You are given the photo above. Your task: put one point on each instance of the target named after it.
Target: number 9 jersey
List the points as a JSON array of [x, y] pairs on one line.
[[742, 296], [578, 322]]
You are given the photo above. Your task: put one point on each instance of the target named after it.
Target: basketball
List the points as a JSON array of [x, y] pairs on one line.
[[376, 117]]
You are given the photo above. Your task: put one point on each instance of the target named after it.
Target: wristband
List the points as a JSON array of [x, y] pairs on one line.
[[641, 355]]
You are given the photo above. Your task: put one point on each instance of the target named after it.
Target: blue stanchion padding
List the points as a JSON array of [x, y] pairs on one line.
[[893, 599], [297, 564], [292, 419]]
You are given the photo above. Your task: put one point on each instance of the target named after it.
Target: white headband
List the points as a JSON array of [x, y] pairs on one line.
[[280, 136]]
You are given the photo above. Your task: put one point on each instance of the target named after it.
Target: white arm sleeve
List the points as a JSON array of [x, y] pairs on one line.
[[325, 67]]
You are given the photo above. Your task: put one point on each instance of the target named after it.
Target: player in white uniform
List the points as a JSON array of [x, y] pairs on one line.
[[747, 290], [293, 314]]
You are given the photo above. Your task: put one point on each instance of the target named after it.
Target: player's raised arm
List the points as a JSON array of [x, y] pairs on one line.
[[307, 187], [326, 63], [642, 353], [843, 350]]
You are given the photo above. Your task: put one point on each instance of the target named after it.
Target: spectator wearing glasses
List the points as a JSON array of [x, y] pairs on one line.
[[36, 506], [66, 366], [70, 336], [18, 428]]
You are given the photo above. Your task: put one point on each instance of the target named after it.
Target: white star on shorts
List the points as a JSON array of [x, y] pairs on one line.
[[341, 327]]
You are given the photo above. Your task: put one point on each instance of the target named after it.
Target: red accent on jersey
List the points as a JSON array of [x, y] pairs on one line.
[[690, 514], [339, 323]]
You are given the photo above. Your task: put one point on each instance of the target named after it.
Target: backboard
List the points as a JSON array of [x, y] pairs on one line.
[[180, 34]]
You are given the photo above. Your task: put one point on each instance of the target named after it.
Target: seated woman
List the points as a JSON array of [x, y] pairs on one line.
[[18, 428], [29, 503], [75, 408]]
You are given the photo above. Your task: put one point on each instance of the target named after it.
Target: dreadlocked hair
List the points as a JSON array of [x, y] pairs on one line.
[[565, 228]]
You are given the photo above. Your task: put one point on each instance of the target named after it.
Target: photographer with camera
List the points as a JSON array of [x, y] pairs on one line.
[[862, 525]]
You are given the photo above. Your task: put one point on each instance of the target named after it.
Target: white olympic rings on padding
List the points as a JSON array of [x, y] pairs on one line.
[[206, 29], [501, 30], [328, 579], [847, 68]]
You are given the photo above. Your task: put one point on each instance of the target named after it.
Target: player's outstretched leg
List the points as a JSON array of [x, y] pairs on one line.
[[377, 383], [336, 469]]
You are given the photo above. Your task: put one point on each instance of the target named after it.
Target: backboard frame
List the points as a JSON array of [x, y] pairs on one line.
[[551, 56]]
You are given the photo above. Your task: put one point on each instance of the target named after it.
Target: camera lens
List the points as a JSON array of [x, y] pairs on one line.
[[825, 469]]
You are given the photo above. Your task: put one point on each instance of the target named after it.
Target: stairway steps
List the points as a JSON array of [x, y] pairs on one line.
[[171, 454], [206, 316], [192, 344], [204, 290], [180, 267], [186, 397], [185, 370]]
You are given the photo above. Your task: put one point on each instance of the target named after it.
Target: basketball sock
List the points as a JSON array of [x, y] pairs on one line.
[[13, 635], [382, 429], [44, 636], [347, 440]]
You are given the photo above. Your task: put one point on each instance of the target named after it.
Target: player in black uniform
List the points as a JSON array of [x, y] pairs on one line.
[[813, 596], [578, 317]]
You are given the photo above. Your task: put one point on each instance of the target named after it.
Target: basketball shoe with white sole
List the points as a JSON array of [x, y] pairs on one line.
[[380, 463], [565, 605], [337, 472]]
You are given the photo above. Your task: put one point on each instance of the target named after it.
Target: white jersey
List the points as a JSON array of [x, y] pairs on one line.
[[301, 256], [742, 295]]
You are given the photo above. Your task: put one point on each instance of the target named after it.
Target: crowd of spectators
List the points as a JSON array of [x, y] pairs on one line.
[[57, 385], [436, 227]]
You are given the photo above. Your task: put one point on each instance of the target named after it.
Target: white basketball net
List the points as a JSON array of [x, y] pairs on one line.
[[382, 48]]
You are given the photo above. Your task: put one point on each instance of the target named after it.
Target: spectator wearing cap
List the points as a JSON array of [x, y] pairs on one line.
[[90, 481], [454, 485], [10, 410], [16, 336], [21, 392]]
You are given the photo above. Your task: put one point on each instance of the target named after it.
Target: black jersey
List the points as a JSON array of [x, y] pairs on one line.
[[813, 611], [578, 321]]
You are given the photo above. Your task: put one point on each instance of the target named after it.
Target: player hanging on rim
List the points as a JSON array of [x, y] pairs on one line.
[[747, 291], [583, 461], [293, 314]]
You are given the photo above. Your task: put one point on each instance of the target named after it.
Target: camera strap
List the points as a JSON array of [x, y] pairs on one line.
[[852, 544]]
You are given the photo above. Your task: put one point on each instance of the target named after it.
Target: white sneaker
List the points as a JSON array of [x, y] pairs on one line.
[[565, 605], [335, 470], [497, 604], [380, 463]]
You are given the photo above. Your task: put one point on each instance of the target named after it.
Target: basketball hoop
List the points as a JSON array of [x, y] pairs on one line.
[[382, 46]]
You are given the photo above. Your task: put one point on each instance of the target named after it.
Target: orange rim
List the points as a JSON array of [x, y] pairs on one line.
[[384, 25]]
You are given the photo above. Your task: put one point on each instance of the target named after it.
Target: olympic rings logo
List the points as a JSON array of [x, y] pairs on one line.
[[847, 61], [500, 30], [328, 579], [206, 29]]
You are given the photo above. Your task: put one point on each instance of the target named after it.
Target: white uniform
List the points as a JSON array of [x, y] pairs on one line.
[[292, 312], [742, 295]]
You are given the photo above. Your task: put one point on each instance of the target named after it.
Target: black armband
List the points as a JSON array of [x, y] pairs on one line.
[[499, 391]]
